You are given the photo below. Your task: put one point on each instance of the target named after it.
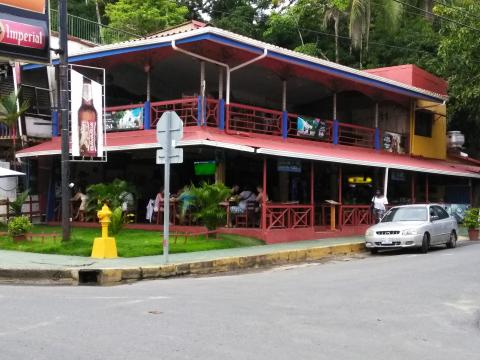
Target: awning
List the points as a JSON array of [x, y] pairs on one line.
[[4, 172], [270, 145]]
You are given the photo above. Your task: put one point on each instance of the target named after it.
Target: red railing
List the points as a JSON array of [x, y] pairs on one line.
[[355, 215], [186, 108], [288, 216], [252, 119], [212, 115], [355, 135]]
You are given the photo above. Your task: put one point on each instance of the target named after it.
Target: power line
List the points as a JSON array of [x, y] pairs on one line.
[[438, 16], [457, 8]]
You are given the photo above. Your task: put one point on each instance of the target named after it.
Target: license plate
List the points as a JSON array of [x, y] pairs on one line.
[[387, 242]]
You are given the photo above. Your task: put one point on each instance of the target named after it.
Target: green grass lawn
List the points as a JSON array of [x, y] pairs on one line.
[[130, 243]]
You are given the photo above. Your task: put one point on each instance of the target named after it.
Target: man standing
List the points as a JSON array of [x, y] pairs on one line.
[[378, 205]]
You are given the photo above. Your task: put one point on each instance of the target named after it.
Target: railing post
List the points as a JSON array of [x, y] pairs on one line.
[[377, 139], [335, 132], [8, 209], [55, 123], [199, 111], [31, 208], [284, 124], [146, 115], [221, 114]]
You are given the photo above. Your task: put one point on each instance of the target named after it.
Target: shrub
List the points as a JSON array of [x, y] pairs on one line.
[[471, 219], [19, 225], [15, 207], [204, 202]]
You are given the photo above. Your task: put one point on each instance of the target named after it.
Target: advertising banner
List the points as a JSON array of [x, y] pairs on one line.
[[392, 142], [24, 30], [311, 127], [129, 119], [86, 117]]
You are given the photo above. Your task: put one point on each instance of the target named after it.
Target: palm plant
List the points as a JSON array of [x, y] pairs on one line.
[[15, 207], [10, 110], [336, 9], [361, 16], [204, 202]]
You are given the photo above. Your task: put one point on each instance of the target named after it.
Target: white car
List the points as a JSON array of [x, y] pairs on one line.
[[413, 226]]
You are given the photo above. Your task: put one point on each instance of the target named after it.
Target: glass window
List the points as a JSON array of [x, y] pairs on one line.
[[423, 123], [414, 213], [441, 213]]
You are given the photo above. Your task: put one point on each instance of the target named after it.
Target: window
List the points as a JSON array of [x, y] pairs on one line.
[[423, 123], [406, 214], [441, 213]]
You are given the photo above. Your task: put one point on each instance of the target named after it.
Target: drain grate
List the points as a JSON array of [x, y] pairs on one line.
[[88, 277]]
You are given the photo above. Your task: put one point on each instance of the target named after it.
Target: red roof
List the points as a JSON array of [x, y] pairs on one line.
[[296, 148], [413, 75]]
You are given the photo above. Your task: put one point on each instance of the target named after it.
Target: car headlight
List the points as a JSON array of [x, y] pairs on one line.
[[410, 232], [369, 232]]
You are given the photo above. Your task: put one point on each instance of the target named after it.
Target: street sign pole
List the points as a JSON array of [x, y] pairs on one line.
[[166, 198]]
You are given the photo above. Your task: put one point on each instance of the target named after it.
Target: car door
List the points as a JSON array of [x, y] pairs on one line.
[[443, 223], [435, 227]]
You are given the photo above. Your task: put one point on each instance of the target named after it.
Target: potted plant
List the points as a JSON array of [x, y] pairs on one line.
[[471, 221], [18, 227]]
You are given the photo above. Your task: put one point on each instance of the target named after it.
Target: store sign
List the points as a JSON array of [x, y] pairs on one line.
[[129, 119], [86, 117], [359, 180], [24, 30], [311, 127], [293, 166]]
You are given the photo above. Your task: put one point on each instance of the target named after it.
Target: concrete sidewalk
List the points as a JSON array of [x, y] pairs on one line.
[[38, 268]]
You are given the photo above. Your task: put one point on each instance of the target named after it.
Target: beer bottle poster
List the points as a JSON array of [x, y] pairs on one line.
[[86, 116]]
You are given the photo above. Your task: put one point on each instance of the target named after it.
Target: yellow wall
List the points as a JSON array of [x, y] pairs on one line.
[[436, 146]]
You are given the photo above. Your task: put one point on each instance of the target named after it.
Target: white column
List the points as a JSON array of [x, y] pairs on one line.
[[15, 88], [220, 83], [284, 95], [202, 78], [334, 106], [385, 183], [227, 95]]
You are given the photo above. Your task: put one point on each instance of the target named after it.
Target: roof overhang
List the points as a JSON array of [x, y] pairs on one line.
[[250, 48]]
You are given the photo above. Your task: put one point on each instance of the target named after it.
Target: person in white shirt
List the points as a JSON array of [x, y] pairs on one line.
[[378, 205]]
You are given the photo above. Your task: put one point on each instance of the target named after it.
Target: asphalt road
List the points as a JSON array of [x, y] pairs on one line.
[[395, 306]]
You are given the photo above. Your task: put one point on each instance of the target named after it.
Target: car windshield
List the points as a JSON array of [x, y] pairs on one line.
[[406, 214]]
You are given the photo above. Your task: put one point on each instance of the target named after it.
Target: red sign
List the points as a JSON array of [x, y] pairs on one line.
[[24, 35]]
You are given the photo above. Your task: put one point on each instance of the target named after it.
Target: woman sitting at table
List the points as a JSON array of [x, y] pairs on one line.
[[158, 205], [243, 198]]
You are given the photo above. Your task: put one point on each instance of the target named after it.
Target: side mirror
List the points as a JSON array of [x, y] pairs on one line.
[[433, 218]]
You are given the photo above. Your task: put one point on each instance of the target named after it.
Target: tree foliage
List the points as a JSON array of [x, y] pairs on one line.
[[144, 16]]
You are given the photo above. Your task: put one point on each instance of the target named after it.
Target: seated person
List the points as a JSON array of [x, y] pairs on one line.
[[259, 197], [243, 198], [158, 205], [82, 198]]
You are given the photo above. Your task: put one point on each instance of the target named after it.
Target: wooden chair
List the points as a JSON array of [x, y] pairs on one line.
[[248, 217]]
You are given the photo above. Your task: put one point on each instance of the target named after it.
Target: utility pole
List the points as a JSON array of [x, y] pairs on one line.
[[64, 113]]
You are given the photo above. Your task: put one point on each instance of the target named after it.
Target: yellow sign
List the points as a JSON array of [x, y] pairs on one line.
[[360, 180]]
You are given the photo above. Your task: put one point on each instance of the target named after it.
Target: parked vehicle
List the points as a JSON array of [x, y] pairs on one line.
[[413, 226]]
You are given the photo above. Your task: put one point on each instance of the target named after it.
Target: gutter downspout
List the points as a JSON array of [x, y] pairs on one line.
[[228, 72]]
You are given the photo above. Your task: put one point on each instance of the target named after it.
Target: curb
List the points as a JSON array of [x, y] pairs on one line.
[[116, 276]]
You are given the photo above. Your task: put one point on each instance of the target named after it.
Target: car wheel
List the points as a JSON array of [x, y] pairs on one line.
[[452, 242], [373, 251], [425, 243]]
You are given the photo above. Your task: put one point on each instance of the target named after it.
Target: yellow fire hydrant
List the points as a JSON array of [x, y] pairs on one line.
[[104, 247]]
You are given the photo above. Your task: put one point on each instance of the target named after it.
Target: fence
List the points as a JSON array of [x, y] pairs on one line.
[[31, 208]]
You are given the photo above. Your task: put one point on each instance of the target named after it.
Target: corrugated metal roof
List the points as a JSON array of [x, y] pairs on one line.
[[306, 60]]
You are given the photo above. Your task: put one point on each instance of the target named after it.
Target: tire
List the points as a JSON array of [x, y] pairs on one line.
[[425, 244], [452, 242], [373, 251]]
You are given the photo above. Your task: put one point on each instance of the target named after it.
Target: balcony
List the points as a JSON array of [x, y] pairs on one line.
[[246, 119]]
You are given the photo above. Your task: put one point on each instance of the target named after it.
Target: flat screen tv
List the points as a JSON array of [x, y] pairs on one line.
[[204, 168]]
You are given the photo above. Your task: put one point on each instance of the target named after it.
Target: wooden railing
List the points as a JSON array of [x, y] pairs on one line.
[[288, 216], [252, 119], [186, 109], [30, 208], [355, 215], [355, 135]]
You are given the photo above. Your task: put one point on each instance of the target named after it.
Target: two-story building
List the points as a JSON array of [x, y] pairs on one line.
[[312, 133]]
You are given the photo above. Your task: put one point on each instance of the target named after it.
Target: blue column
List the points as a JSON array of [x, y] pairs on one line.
[[221, 114], [55, 123], [284, 124], [335, 132], [199, 111], [146, 115], [377, 139]]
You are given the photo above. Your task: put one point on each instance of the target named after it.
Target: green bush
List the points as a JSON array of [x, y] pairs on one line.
[[117, 220], [204, 202], [19, 225], [15, 207], [471, 219]]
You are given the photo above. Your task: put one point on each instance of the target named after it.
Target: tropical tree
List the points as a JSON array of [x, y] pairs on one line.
[[335, 11], [10, 110], [144, 16]]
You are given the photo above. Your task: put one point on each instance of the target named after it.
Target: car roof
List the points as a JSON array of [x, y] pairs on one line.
[[416, 205]]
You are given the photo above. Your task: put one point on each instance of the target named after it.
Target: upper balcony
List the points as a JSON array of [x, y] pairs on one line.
[[250, 120]]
